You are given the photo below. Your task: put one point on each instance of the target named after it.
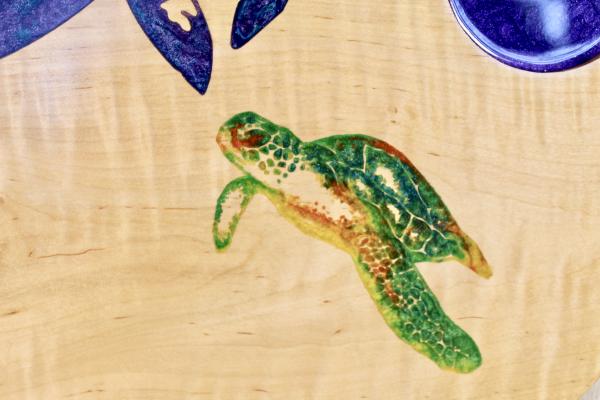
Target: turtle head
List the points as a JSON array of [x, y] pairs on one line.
[[241, 137], [259, 147]]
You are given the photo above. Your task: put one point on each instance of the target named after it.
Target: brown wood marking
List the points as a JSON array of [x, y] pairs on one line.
[[500, 134]]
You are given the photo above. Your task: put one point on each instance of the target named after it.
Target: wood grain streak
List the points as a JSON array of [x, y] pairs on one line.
[[111, 287]]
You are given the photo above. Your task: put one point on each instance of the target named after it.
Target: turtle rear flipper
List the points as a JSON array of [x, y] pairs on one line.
[[474, 258], [231, 205], [412, 311]]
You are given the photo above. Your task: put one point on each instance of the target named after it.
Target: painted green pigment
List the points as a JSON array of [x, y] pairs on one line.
[[365, 197]]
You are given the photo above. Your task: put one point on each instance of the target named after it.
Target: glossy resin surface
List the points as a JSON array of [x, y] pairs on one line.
[[534, 35], [24, 21], [251, 16], [188, 51]]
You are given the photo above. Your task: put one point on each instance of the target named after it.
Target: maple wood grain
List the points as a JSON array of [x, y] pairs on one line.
[[111, 287]]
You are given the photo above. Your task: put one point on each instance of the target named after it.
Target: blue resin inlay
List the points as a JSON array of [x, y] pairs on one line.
[[534, 35], [251, 16], [24, 21], [190, 52]]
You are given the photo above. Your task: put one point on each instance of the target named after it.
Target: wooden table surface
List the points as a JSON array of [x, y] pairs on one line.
[[110, 284]]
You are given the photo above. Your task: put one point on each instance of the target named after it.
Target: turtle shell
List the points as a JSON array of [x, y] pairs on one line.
[[383, 179]]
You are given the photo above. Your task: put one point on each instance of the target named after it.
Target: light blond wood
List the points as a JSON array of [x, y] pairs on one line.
[[593, 393], [110, 284]]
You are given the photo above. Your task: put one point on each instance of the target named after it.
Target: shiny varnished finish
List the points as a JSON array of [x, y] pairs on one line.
[[365, 197], [189, 52], [252, 16], [24, 21], [534, 35], [111, 287]]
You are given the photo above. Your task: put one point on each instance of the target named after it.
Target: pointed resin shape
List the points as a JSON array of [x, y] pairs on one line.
[[534, 35], [251, 16], [24, 21], [190, 52]]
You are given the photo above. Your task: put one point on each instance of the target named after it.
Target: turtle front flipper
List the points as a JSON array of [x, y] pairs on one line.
[[412, 311], [230, 206]]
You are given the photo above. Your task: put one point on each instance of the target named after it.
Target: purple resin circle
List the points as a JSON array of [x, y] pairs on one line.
[[534, 35]]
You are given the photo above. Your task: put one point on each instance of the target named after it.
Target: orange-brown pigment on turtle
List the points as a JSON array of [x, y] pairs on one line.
[[371, 251], [359, 221], [251, 141], [379, 260]]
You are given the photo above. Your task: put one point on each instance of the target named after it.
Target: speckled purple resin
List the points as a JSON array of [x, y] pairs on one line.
[[534, 35], [251, 16], [191, 53], [24, 21]]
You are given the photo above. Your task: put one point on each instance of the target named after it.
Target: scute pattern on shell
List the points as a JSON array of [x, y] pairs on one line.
[[376, 206]]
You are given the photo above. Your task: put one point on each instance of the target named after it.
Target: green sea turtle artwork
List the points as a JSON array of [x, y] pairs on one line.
[[365, 197]]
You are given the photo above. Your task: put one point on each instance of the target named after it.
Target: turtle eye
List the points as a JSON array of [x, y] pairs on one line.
[[254, 138]]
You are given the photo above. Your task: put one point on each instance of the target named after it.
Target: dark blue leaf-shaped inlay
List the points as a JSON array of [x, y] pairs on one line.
[[251, 16], [24, 21], [190, 52]]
